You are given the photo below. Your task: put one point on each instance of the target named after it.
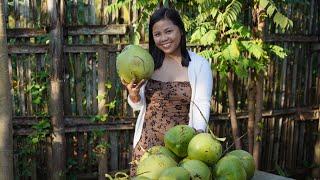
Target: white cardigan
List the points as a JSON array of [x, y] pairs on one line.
[[200, 77]]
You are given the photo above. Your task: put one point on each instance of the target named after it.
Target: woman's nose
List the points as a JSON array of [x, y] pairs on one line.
[[164, 38]]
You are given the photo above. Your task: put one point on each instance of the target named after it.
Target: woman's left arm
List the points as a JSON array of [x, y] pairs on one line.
[[202, 98]]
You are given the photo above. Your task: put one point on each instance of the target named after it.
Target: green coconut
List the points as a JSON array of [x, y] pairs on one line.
[[205, 148], [246, 160], [197, 169], [159, 150], [229, 168], [152, 166], [134, 62], [177, 139], [174, 173]]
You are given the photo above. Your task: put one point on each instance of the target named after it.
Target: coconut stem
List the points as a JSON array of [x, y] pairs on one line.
[[215, 137]]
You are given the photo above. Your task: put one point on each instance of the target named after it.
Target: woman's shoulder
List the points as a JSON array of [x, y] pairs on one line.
[[196, 59]]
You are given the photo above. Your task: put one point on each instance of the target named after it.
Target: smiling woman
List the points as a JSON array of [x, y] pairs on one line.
[[180, 79]]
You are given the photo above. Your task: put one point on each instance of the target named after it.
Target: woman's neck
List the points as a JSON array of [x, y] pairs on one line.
[[176, 56]]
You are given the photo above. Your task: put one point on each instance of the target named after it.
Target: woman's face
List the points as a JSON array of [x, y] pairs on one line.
[[167, 36]]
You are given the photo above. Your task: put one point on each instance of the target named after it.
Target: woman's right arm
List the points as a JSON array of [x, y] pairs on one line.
[[136, 94]]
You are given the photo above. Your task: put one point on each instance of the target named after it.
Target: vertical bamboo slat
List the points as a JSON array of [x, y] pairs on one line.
[[77, 63], [295, 144], [21, 85], [29, 82], [66, 86], [114, 150], [92, 21], [294, 75], [306, 77]]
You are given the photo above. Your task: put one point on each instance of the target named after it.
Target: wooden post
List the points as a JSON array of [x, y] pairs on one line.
[[316, 173], [56, 92], [6, 146], [102, 61]]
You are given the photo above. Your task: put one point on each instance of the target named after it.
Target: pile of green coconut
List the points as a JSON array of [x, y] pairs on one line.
[[187, 155]]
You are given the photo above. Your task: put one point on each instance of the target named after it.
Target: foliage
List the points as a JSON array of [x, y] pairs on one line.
[[230, 44], [272, 12], [27, 151]]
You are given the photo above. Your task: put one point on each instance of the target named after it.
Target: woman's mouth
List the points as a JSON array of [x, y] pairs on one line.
[[167, 45]]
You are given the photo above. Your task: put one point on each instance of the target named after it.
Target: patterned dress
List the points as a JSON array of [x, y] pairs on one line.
[[167, 106]]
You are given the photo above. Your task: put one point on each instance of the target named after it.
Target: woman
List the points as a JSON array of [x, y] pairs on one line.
[[181, 79]]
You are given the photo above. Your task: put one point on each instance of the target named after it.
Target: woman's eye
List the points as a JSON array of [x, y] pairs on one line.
[[169, 31]]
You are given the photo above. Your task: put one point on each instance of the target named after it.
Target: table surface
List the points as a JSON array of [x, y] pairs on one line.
[[260, 175]]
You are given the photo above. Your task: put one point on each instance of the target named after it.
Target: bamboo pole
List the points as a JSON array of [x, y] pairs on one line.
[[56, 92]]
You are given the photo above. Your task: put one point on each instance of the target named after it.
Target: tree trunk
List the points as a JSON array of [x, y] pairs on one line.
[[56, 92], [6, 147], [233, 117], [251, 111], [258, 118], [258, 28]]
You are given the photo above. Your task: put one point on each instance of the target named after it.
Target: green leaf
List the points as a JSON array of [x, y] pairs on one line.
[[108, 85], [263, 3], [282, 21], [271, 10], [112, 104], [35, 140], [278, 51], [135, 38], [253, 48], [214, 12], [37, 100], [165, 3], [208, 54], [197, 35], [232, 51], [209, 37], [100, 97]]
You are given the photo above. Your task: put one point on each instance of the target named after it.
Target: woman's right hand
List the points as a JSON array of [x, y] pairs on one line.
[[133, 89]]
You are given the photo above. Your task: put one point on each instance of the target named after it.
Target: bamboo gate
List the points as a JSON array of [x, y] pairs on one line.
[[81, 41]]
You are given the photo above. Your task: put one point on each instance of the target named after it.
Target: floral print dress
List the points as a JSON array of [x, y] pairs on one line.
[[168, 105]]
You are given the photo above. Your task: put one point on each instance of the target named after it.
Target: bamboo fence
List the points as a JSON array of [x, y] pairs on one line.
[[73, 46]]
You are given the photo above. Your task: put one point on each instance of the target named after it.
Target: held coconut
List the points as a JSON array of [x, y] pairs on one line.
[[134, 62]]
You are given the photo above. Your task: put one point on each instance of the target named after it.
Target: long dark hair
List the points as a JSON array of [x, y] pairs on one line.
[[157, 54]]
